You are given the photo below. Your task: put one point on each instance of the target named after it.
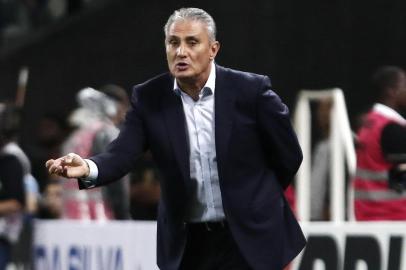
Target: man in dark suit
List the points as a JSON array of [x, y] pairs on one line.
[[226, 150]]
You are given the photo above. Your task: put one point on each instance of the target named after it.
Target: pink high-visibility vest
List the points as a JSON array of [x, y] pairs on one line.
[[373, 199], [83, 204]]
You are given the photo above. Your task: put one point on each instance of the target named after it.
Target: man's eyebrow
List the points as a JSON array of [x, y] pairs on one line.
[[192, 38], [188, 38], [172, 37]]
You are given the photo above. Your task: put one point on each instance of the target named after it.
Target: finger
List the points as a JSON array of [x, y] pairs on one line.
[[59, 169], [52, 163], [71, 158], [67, 159], [55, 169], [52, 169], [49, 163], [55, 162]]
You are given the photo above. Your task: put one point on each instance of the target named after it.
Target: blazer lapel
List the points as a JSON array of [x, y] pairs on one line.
[[223, 108], [175, 123]]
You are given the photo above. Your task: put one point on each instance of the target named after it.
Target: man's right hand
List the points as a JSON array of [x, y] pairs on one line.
[[69, 166]]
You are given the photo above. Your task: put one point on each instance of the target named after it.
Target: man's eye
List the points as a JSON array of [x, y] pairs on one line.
[[173, 42], [193, 42]]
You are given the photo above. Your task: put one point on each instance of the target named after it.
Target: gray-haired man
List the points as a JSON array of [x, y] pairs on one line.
[[226, 150]]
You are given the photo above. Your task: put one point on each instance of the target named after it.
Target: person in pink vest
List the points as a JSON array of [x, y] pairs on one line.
[[93, 121], [381, 150]]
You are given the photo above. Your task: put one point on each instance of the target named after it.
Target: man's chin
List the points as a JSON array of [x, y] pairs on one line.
[[184, 76]]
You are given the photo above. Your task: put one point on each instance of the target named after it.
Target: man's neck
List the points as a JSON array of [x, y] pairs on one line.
[[192, 87]]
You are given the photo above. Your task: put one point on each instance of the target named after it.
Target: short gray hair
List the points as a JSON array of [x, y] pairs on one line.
[[195, 14]]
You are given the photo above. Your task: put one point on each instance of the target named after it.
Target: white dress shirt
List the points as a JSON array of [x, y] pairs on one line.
[[207, 204]]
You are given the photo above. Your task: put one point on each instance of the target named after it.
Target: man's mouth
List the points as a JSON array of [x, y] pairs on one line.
[[181, 66]]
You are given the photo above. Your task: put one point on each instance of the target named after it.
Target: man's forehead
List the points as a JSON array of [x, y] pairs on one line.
[[186, 26]]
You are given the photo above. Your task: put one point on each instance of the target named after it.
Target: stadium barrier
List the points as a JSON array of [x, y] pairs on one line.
[[131, 245]]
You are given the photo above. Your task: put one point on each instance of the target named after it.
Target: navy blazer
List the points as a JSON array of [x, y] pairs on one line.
[[257, 155]]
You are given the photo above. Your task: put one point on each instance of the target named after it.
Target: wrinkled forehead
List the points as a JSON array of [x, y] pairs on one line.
[[187, 26]]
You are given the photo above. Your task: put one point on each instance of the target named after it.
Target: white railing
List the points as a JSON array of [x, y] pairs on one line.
[[341, 150]]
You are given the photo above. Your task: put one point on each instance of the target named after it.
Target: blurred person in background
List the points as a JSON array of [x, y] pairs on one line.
[[116, 195], [320, 166], [96, 120], [51, 130], [50, 206], [320, 171], [11, 126], [208, 127], [17, 18], [381, 149], [93, 110], [12, 194], [120, 97], [145, 189], [144, 179]]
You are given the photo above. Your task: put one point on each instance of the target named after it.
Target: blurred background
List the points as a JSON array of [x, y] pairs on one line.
[[51, 49], [70, 44]]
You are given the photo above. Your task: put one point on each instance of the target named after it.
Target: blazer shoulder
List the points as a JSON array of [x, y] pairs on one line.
[[241, 76], [247, 85], [153, 86]]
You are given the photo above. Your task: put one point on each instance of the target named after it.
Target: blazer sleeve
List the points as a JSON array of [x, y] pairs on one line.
[[122, 153], [280, 142]]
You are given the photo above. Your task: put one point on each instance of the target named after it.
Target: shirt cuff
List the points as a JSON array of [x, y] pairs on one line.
[[90, 180]]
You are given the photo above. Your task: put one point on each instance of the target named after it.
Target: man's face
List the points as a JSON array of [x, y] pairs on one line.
[[189, 51]]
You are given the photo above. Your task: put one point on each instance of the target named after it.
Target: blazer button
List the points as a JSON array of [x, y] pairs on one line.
[[184, 225]]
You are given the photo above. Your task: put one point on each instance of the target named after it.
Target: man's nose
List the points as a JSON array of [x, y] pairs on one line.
[[181, 51]]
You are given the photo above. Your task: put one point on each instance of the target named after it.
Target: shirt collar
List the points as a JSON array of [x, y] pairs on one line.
[[210, 84], [388, 112]]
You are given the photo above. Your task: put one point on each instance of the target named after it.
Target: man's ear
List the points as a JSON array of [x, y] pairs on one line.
[[214, 48]]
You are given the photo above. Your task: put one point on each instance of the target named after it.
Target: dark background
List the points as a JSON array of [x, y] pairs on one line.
[[300, 44]]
